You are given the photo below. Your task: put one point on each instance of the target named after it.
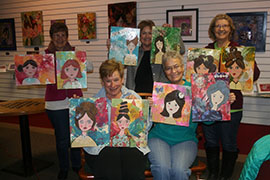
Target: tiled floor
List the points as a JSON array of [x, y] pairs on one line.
[[43, 148]]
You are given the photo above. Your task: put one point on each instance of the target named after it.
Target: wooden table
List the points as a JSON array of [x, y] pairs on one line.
[[23, 108]]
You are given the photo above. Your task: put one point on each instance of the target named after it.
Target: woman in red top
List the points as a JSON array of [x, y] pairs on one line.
[[220, 31]]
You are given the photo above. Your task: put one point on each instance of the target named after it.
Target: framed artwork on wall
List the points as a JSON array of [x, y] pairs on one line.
[[263, 88], [32, 28], [187, 20], [7, 35], [250, 29], [87, 26]]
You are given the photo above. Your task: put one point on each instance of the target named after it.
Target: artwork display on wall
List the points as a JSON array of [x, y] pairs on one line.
[[122, 15], [87, 26], [7, 35], [34, 69], [125, 45], [210, 97], [202, 60], [187, 20], [164, 39], [71, 69], [263, 88], [32, 28], [88, 122], [58, 21], [171, 104], [129, 120], [239, 62], [250, 29]]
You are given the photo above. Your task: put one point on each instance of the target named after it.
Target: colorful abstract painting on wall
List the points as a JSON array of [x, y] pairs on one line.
[[164, 39], [88, 122], [34, 69], [71, 69], [32, 28], [87, 26], [239, 62], [171, 104], [122, 15], [210, 97], [129, 120], [202, 61], [125, 45]]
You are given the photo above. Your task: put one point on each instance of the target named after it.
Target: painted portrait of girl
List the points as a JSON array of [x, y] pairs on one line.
[[30, 70], [85, 120], [159, 49], [173, 105], [235, 66], [121, 139], [70, 71], [204, 64], [218, 95], [131, 59]]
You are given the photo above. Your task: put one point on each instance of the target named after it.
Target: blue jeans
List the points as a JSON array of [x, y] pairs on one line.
[[226, 132], [171, 162], [60, 122]]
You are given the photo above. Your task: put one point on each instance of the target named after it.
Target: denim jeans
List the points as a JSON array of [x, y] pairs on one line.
[[226, 132], [60, 122], [171, 162]]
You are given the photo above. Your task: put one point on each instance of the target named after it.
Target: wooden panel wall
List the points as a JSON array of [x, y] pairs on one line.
[[97, 51]]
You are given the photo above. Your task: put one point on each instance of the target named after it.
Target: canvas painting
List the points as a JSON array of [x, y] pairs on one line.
[[122, 15], [164, 39], [88, 122], [71, 69], [34, 69], [87, 26], [32, 28], [7, 35], [239, 62], [171, 104], [125, 45], [202, 61], [210, 97], [129, 120]]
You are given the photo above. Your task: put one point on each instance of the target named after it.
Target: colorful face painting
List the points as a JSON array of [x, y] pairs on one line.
[[202, 61], [87, 26], [32, 28], [88, 122], [164, 39], [129, 119], [125, 45], [239, 62], [171, 104], [71, 69], [34, 69], [122, 15], [210, 97]]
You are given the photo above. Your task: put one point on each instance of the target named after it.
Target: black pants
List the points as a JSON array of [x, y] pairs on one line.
[[114, 163]]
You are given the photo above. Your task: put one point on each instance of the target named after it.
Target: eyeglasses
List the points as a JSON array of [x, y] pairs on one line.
[[171, 68], [222, 26]]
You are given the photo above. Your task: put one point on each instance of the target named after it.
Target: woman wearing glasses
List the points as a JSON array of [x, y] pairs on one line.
[[221, 31]]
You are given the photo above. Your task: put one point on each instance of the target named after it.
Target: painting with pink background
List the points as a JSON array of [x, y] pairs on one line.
[[34, 69], [129, 121], [210, 97], [71, 69], [202, 58], [165, 96]]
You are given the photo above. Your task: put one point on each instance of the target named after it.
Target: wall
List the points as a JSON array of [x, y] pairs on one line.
[[256, 109]]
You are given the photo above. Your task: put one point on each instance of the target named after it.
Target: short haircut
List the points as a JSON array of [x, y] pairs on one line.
[[145, 23], [171, 55], [108, 67], [211, 29], [58, 27]]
